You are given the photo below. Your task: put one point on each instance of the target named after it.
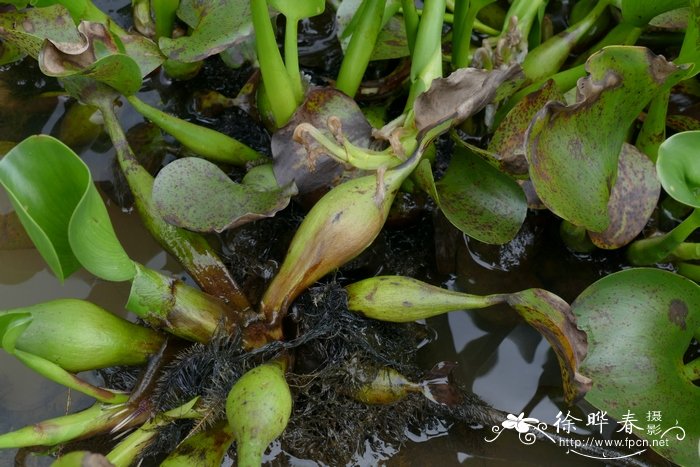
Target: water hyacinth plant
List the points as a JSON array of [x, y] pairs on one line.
[[286, 195]]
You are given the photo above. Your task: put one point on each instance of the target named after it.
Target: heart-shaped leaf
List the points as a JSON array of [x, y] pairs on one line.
[[678, 167], [639, 324], [632, 200], [573, 150], [479, 200], [216, 25], [52, 192], [195, 194]]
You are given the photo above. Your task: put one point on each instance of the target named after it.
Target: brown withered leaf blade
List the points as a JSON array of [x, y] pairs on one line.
[[462, 94], [632, 200], [312, 168], [552, 317]]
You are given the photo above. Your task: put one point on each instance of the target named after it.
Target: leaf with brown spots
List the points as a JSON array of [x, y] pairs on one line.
[[639, 324], [311, 168], [552, 317], [508, 142], [97, 56], [197, 195], [573, 150], [632, 200], [29, 28]]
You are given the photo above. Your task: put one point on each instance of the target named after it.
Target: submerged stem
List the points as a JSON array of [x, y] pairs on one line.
[[191, 249]]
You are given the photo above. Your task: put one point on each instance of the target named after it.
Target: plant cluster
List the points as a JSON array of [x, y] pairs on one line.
[[574, 123]]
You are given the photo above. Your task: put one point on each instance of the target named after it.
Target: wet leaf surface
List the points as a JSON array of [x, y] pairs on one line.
[[481, 201], [573, 150], [462, 94], [639, 324], [195, 194], [310, 172], [216, 25], [678, 166], [632, 200], [508, 142]]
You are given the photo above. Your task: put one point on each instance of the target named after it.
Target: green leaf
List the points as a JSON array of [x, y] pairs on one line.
[[195, 194], [640, 13], [479, 200], [573, 150], [29, 28], [639, 324], [52, 192], [678, 167], [216, 25], [101, 59]]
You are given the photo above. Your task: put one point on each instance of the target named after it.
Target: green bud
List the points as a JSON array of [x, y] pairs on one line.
[[78, 335], [386, 387], [203, 449], [402, 299], [258, 409]]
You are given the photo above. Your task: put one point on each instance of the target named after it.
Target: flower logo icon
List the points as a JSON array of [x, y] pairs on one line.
[[520, 423]]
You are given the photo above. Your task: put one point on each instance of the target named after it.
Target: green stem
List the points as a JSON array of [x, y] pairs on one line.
[[526, 12], [686, 251], [170, 304], [130, 448], [691, 271], [691, 370], [291, 57], [191, 249], [411, 20], [546, 59], [206, 448], [622, 34], [57, 374], [576, 237], [426, 64], [657, 249], [653, 131], [360, 47], [203, 141], [278, 86], [99, 418], [165, 12]]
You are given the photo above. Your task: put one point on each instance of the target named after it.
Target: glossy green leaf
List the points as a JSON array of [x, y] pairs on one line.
[[632, 201], [678, 166], [101, 60], [29, 28], [52, 192], [573, 150], [639, 324], [195, 194], [216, 25], [481, 201]]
